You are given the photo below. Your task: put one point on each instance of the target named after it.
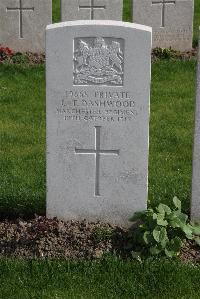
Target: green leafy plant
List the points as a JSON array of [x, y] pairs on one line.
[[103, 234], [19, 58], [163, 230], [164, 53]]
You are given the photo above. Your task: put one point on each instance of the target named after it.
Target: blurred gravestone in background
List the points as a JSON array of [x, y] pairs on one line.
[[91, 10], [23, 23], [171, 21], [195, 206]]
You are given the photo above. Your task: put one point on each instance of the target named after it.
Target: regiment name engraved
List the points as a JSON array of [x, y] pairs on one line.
[[98, 61]]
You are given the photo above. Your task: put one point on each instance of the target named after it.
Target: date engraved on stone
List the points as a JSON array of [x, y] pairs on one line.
[[98, 61]]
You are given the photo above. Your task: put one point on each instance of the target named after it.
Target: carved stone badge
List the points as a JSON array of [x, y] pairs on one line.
[[98, 61]]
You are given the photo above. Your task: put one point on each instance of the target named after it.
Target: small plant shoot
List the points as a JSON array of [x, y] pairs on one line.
[[161, 231]]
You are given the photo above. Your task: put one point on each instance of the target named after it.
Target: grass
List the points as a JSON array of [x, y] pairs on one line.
[[56, 11], [109, 278], [171, 131], [127, 11], [22, 151], [196, 21]]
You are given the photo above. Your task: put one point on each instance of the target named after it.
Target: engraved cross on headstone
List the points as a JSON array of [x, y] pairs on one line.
[[20, 9], [163, 3], [92, 7], [97, 152]]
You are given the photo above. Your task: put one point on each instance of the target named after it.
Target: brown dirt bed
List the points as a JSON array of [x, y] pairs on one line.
[[51, 238]]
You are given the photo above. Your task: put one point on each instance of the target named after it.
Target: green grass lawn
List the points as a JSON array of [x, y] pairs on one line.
[[56, 11], [22, 151], [109, 278], [171, 131], [196, 21], [23, 190]]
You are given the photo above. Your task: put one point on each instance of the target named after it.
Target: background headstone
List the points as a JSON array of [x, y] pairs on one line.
[[98, 90], [171, 21], [195, 205], [23, 23], [91, 10]]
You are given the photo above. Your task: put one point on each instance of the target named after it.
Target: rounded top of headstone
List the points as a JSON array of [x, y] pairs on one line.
[[100, 23]]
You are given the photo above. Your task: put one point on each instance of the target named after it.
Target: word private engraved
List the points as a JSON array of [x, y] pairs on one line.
[[98, 61]]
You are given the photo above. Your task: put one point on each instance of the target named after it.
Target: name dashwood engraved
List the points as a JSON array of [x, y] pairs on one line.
[[97, 152], [98, 61]]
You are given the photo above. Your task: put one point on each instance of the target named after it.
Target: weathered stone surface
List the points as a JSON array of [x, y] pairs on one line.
[[195, 205], [23, 23], [98, 89], [171, 20], [72, 10]]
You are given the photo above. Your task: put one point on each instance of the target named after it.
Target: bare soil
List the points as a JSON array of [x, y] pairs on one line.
[[42, 237], [55, 239]]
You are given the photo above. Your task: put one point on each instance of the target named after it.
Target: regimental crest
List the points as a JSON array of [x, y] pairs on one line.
[[99, 61]]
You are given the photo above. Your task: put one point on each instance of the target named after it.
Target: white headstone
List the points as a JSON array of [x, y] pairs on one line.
[[171, 21], [195, 205], [98, 90], [23, 23], [72, 10]]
